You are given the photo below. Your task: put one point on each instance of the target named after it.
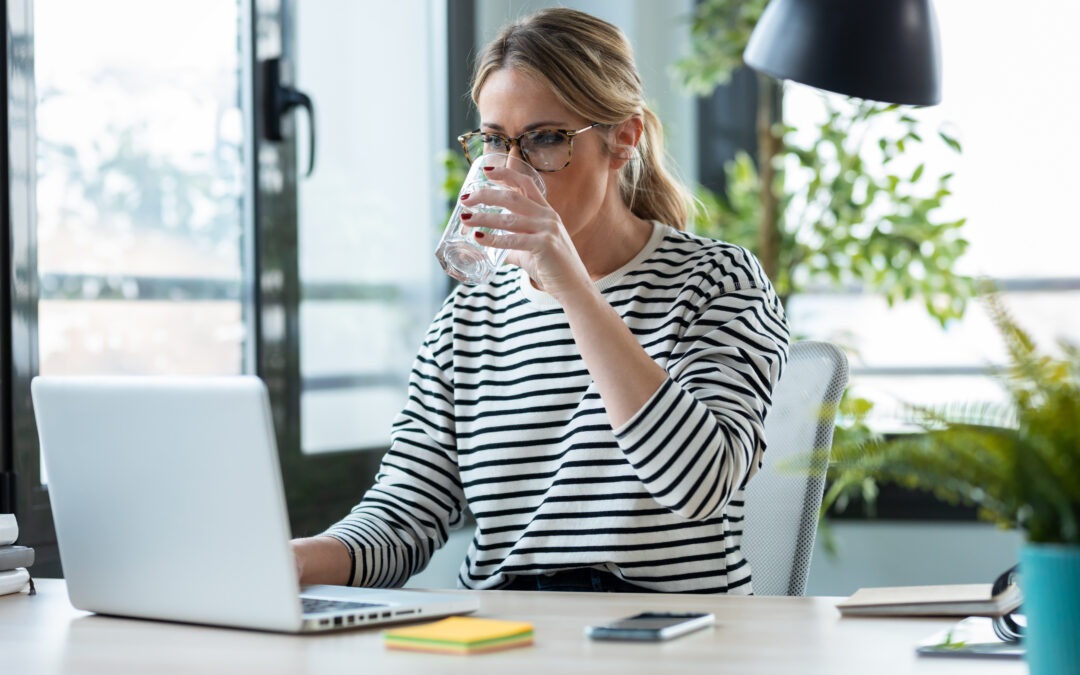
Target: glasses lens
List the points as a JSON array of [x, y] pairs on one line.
[[483, 144], [546, 149]]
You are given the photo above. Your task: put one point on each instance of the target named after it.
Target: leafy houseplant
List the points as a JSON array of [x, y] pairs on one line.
[[1020, 465]]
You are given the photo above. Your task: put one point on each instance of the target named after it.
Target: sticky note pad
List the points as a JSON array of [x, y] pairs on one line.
[[461, 635]]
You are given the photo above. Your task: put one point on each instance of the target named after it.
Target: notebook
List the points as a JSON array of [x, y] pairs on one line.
[[955, 600], [973, 636], [9, 528], [15, 556], [461, 635], [13, 581]]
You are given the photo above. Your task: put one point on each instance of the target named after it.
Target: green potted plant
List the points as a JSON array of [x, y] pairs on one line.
[[1020, 464]]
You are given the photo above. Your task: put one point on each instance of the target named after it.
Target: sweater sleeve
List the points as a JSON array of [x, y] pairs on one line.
[[417, 496], [701, 435]]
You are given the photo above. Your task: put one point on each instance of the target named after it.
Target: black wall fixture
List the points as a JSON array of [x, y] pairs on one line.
[[881, 50], [279, 100]]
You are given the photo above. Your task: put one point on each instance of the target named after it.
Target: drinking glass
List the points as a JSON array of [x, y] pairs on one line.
[[459, 253]]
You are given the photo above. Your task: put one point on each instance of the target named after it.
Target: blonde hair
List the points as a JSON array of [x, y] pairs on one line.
[[589, 65]]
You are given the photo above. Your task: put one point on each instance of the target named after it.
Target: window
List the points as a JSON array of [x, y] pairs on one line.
[[130, 208], [140, 189], [370, 215], [1012, 183]]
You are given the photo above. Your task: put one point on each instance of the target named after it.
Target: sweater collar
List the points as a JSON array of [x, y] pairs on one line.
[[540, 297]]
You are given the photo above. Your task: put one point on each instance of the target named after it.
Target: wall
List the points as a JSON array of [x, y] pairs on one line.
[[911, 553]]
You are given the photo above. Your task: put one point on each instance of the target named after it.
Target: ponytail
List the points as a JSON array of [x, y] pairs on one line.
[[645, 184]]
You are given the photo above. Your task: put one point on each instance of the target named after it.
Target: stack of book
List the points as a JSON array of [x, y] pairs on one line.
[[13, 559]]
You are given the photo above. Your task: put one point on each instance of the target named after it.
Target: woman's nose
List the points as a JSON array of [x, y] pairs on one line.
[[515, 151]]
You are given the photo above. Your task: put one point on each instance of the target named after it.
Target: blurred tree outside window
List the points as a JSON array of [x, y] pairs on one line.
[[139, 188], [878, 217]]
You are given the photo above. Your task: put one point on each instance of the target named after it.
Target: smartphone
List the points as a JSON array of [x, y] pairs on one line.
[[652, 626]]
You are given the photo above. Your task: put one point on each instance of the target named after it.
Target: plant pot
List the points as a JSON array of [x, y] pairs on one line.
[[1050, 579]]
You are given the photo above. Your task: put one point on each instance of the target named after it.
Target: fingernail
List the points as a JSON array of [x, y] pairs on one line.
[[479, 235], [465, 196], [466, 216], [488, 168]]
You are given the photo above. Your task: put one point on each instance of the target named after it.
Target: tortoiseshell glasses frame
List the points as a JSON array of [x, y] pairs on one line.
[[528, 136]]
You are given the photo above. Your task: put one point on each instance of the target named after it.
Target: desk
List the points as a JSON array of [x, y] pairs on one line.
[[44, 634]]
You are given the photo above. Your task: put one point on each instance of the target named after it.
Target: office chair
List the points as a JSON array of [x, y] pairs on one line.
[[783, 498]]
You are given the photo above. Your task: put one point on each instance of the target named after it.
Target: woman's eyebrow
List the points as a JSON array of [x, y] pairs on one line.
[[535, 125]]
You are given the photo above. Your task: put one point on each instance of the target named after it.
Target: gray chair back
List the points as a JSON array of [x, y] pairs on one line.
[[783, 498]]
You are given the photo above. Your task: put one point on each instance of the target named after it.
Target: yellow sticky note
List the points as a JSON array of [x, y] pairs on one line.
[[462, 635]]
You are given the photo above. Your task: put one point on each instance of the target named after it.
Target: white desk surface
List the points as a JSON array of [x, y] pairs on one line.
[[44, 634]]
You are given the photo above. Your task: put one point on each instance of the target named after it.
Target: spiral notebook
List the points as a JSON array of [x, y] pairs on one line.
[[972, 637]]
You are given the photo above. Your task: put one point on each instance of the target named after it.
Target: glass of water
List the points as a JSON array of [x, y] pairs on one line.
[[459, 253]]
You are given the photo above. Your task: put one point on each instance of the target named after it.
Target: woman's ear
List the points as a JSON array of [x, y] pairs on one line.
[[624, 141]]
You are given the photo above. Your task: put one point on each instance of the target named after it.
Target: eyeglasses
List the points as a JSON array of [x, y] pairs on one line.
[[547, 150]]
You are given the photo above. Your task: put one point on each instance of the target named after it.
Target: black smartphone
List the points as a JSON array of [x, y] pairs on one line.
[[652, 626]]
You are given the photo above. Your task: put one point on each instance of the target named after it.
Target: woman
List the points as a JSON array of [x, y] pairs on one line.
[[598, 405]]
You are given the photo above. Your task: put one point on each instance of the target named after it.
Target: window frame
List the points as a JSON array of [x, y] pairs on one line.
[[20, 290], [21, 490], [316, 495], [270, 292]]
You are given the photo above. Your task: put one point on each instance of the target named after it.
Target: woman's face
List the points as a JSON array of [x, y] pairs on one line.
[[512, 103]]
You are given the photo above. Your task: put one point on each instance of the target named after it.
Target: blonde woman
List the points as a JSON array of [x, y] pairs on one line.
[[598, 405]]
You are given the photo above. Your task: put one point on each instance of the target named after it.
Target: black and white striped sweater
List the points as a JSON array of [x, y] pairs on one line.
[[503, 418]]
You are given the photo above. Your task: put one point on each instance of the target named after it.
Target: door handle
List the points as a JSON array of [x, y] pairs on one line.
[[280, 99]]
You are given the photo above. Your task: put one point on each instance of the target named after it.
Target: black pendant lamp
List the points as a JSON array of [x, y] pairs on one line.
[[882, 50]]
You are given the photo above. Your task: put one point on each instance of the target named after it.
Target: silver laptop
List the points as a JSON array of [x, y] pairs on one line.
[[168, 504]]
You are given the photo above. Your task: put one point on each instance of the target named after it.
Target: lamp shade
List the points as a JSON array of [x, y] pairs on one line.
[[882, 50]]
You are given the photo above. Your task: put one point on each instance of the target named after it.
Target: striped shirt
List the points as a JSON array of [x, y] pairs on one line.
[[503, 419]]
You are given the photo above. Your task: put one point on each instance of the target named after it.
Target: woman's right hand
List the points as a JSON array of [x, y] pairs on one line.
[[321, 560], [298, 558]]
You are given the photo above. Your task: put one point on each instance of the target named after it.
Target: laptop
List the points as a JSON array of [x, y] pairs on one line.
[[168, 504]]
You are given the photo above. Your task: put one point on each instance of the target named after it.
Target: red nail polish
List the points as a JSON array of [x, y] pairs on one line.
[[466, 216], [488, 168], [465, 196], [479, 235]]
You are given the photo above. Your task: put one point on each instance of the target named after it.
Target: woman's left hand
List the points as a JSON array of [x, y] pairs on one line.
[[532, 231]]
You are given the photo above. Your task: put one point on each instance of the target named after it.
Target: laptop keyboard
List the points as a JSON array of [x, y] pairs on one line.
[[318, 605]]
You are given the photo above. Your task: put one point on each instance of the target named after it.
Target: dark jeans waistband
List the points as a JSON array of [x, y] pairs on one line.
[[580, 579]]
